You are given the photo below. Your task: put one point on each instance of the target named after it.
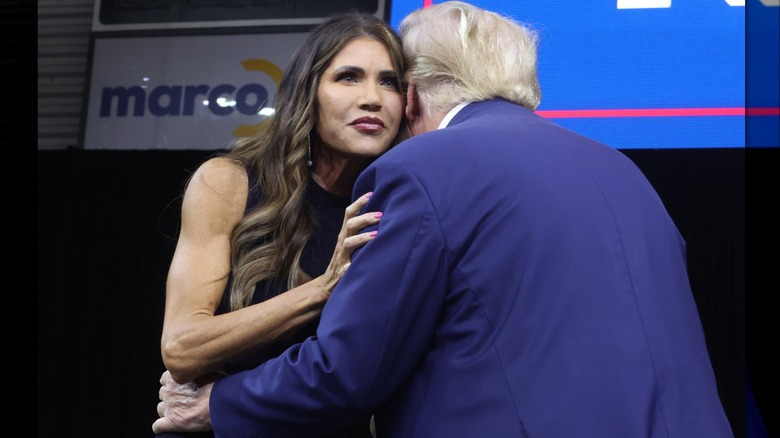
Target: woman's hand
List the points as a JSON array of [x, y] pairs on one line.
[[349, 240]]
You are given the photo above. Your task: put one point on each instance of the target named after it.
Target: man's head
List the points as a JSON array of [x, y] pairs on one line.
[[460, 53]]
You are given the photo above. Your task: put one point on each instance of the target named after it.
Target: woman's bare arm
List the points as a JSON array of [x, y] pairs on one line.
[[195, 341]]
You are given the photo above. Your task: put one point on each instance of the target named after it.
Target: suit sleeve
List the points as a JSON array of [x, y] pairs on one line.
[[374, 330]]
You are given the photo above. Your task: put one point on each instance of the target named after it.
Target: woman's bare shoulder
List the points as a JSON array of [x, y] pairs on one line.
[[221, 182], [221, 173]]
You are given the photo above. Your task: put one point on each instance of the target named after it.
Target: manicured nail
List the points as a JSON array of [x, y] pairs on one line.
[[378, 214], [368, 195], [373, 233]]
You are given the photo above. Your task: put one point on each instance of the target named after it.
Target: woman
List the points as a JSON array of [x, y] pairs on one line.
[[255, 260]]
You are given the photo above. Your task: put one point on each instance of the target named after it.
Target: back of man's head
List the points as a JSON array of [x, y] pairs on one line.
[[459, 52]]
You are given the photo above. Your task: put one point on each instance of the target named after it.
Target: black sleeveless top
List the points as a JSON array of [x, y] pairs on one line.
[[329, 212]]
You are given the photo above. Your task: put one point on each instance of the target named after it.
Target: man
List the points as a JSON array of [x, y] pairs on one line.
[[525, 281]]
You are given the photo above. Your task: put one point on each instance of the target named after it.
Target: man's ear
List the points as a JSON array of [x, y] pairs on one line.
[[412, 105]]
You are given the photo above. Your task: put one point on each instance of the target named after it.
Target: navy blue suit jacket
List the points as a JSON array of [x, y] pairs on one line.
[[525, 282]]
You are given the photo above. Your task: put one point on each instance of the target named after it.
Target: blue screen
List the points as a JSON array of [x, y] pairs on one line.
[[638, 74]]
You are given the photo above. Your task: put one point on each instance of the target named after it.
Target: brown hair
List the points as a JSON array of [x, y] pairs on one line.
[[268, 242]]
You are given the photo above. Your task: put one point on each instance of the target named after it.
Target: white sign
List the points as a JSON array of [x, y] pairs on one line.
[[183, 92]]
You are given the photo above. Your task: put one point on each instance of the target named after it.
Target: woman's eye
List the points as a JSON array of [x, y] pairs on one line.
[[390, 83], [347, 77]]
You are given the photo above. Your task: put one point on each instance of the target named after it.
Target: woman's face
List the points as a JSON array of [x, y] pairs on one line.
[[360, 107]]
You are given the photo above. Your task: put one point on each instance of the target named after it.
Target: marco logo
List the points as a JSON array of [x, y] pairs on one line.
[[181, 100]]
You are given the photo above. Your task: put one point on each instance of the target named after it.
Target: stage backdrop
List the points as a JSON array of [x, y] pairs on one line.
[[634, 74]]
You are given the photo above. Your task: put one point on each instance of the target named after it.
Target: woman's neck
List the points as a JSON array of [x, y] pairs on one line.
[[336, 181]]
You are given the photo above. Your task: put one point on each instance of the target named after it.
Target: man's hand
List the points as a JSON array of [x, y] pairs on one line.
[[184, 407]]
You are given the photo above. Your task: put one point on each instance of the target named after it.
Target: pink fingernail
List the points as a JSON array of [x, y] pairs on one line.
[[373, 233], [378, 214], [368, 195]]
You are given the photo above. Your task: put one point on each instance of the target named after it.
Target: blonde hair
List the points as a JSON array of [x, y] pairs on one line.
[[459, 52]]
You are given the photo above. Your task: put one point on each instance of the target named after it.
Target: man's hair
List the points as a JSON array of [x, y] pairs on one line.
[[459, 52]]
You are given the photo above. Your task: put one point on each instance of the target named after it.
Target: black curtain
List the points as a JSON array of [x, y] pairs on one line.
[[107, 224]]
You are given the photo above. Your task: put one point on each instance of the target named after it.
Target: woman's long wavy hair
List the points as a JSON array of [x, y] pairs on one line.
[[268, 242]]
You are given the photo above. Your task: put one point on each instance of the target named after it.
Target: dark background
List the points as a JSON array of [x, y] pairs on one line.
[[108, 220]]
